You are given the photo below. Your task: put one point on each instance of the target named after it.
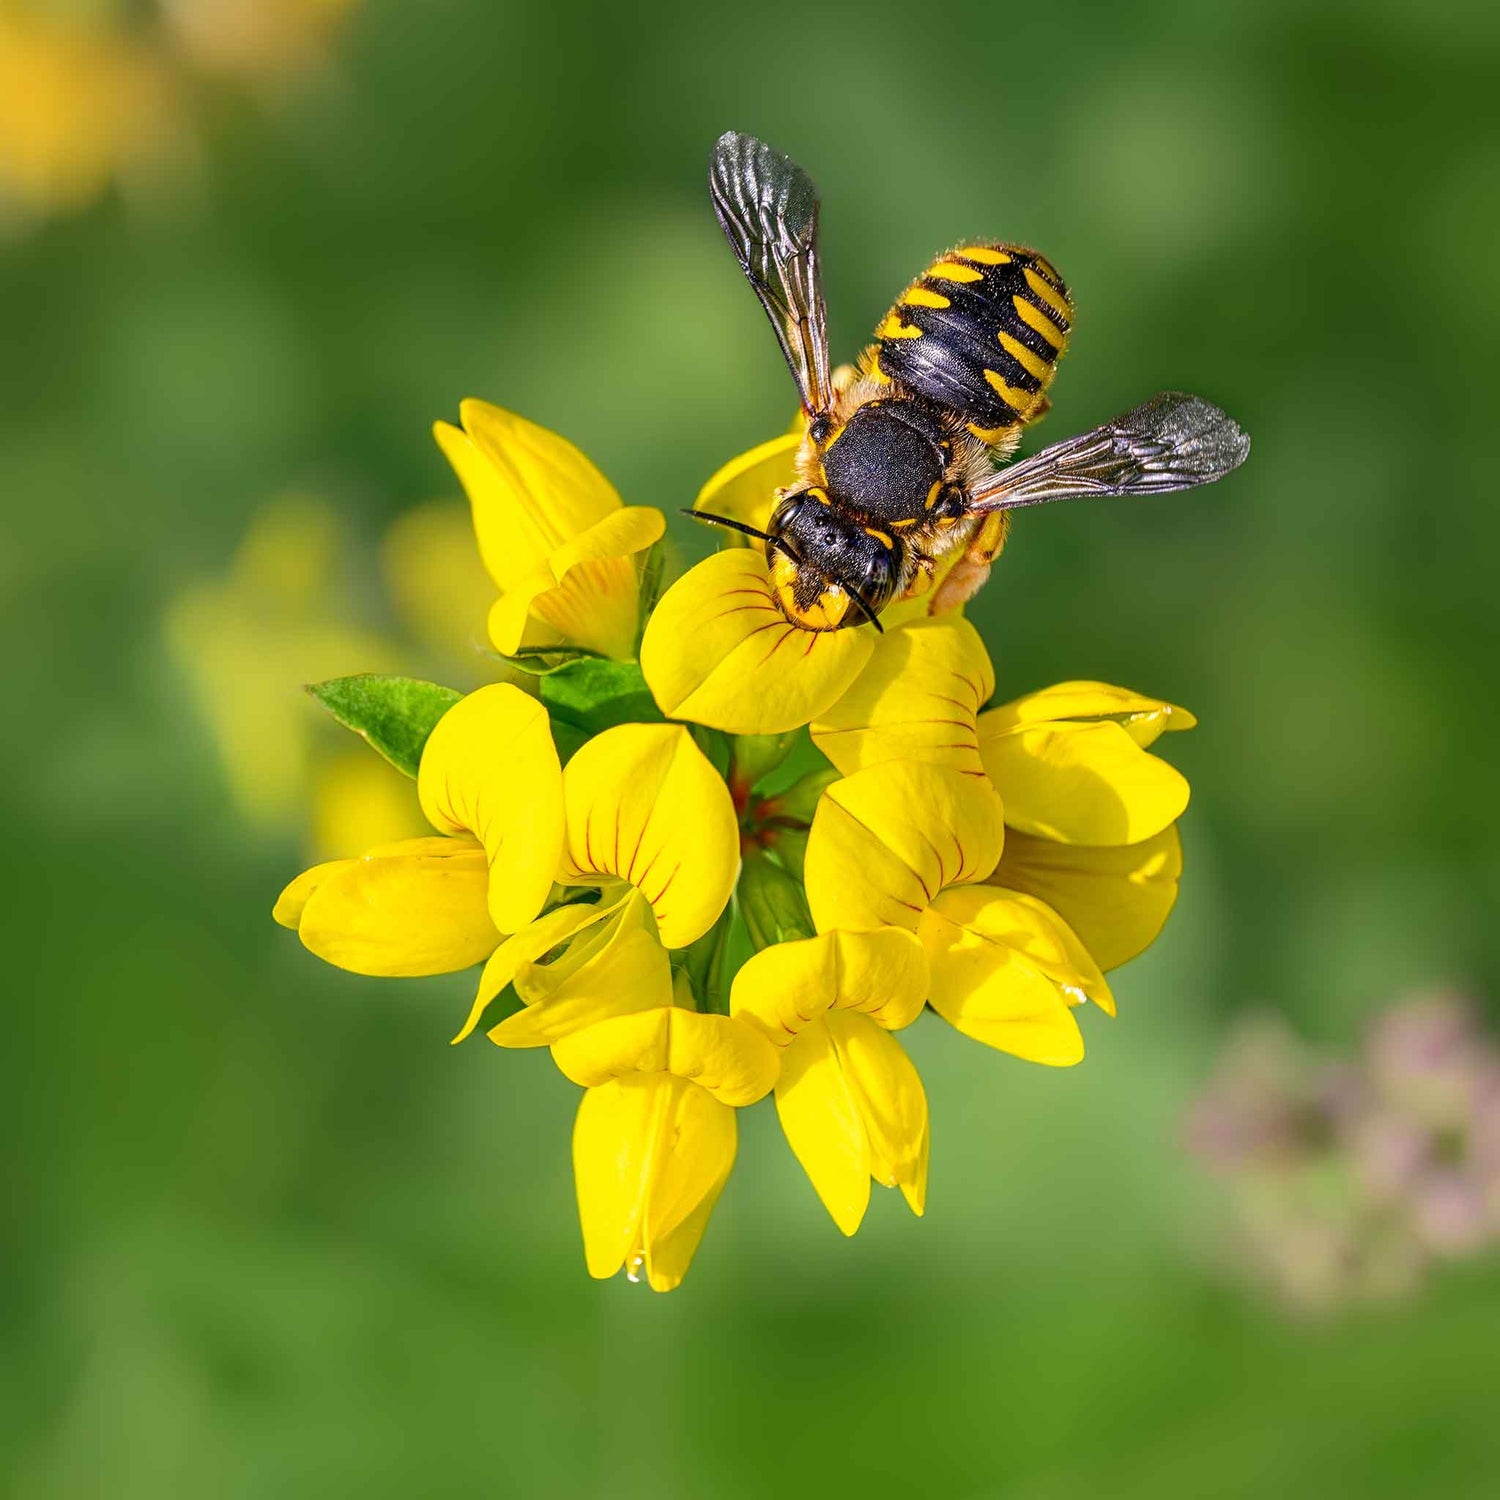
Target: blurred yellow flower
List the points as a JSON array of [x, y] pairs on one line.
[[253, 38], [360, 800], [655, 1137], [850, 1102], [552, 532], [440, 590], [247, 642], [79, 102]]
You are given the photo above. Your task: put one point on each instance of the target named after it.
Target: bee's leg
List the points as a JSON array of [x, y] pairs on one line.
[[923, 571], [968, 574]]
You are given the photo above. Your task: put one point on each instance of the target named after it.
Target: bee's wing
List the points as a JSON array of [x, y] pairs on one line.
[[768, 208], [1171, 442]]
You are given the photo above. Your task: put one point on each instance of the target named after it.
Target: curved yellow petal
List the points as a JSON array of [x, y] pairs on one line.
[[1030, 927], [530, 490], [719, 651], [644, 803], [918, 698], [891, 1103], [651, 1153], [788, 985], [528, 945], [822, 1124], [1144, 718], [1116, 899], [886, 840], [416, 907], [490, 769], [1006, 971], [587, 590], [610, 968], [726, 1057], [1082, 783], [551, 531], [745, 488]]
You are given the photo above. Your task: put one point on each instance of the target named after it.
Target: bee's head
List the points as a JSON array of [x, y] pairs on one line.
[[827, 571]]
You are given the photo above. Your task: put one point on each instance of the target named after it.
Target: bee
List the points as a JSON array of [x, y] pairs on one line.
[[907, 459]]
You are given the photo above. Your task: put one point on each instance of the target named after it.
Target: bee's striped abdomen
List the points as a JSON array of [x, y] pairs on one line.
[[980, 332]]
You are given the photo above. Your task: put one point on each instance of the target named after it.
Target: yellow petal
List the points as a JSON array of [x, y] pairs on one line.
[[1145, 718], [918, 698], [651, 1153], [587, 591], [417, 907], [1081, 783], [291, 902], [886, 840], [822, 1125], [728, 1058], [645, 804], [745, 488], [610, 968], [526, 946], [784, 987], [530, 489], [719, 651], [1005, 971], [1116, 899], [490, 769], [891, 1102]]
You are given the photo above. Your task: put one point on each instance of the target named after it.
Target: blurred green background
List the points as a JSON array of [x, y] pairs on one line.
[[264, 1233]]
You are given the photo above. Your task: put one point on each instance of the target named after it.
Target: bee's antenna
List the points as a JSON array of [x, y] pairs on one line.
[[781, 545], [740, 526]]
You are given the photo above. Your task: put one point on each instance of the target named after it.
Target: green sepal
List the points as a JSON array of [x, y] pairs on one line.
[[542, 661], [594, 693], [651, 578], [772, 902], [800, 800], [395, 715], [704, 964], [755, 756]]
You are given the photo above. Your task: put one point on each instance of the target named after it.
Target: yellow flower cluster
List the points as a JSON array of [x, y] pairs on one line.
[[99, 90], [686, 922]]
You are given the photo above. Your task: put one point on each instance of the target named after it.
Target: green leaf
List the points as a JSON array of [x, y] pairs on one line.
[[394, 714], [594, 692]]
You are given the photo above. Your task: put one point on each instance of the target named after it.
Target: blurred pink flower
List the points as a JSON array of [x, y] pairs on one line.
[[1346, 1177]]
